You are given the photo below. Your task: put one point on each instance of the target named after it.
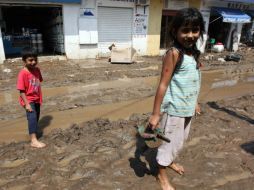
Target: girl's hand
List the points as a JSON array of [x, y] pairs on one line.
[[197, 110], [154, 121], [28, 108]]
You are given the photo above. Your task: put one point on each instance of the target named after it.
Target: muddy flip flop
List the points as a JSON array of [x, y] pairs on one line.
[[153, 138]]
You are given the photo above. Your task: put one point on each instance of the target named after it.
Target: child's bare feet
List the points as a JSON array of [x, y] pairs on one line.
[[163, 180], [177, 168], [37, 144]]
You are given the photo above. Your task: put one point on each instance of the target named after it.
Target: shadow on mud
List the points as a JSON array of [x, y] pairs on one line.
[[43, 123], [248, 147], [146, 166], [214, 105]]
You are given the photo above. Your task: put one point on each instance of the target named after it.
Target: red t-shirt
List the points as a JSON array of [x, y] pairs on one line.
[[29, 82]]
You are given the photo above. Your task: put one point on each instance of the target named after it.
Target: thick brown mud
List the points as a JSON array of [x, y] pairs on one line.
[[89, 147], [103, 154]]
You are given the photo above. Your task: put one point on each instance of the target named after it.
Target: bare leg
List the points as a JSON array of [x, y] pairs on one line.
[[163, 179], [35, 143]]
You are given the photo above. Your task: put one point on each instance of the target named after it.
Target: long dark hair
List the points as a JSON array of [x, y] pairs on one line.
[[187, 16]]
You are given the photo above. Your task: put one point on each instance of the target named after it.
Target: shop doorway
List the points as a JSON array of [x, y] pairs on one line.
[[167, 17], [218, 30], [114, 27], [247, 34], [32, 26]]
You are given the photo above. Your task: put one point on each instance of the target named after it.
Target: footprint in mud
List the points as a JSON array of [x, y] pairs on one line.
[[66, 159], [231, 178], [12, 164], [3, 182], [86, 173]]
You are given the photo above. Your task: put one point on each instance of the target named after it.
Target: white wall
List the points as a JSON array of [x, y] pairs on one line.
[[139, 42], [71, 14], [70, 25], [73, 49], [2, 55]]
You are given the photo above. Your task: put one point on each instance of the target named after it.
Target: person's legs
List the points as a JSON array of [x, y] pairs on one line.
[[163, 179], [187, 123], [174, 130], [167, 152], [38, 110], [32, 118]]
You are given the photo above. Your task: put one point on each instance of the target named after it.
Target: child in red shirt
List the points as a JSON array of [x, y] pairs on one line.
[[28, 84]]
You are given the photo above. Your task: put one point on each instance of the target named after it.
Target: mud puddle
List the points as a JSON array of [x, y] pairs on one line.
[[114, 100]]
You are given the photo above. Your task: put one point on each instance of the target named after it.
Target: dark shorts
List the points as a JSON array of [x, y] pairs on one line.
[[33, 118]]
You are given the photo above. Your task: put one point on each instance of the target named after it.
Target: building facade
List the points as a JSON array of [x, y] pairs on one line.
[[78, 29], [229, 21], [83, 29]]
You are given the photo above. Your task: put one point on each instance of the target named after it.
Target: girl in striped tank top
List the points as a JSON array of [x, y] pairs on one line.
[[177, 93]]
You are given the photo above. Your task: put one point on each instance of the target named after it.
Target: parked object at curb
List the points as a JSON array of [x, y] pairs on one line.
[[233, 57], [218, 47], [122, 55], [221, 59]]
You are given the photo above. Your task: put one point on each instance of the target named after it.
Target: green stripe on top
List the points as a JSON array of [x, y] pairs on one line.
[[183, 89]]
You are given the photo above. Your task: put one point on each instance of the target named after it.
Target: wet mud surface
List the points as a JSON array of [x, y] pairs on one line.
[[104, 154], [73, 84], [100, 154]]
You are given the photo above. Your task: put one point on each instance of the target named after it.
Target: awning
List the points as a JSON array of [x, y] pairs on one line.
[[232, 15]]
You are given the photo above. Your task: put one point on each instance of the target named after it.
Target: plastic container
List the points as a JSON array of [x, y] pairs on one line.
[[218, 48], [39, 37]]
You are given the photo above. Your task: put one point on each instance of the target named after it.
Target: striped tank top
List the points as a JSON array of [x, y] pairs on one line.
[[181, 95]]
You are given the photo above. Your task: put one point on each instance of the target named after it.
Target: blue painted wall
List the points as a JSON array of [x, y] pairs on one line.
[[59, 1]]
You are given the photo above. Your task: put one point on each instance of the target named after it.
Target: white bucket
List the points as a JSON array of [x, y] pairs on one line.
[[218, 48], [39, 36]]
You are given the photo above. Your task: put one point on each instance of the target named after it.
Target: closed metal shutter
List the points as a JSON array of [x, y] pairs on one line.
[[114, 26]]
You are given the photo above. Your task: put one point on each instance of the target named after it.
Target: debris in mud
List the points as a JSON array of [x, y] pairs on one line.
[[233, 57], [7, 70]]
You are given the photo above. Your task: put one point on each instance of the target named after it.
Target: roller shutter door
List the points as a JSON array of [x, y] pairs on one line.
[[114, 26]]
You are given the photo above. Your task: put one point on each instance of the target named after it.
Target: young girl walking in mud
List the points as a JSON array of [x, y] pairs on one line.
[[177, 92], [28, 84]]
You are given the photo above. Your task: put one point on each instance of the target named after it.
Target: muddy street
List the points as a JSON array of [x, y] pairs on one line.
[[89, 118]]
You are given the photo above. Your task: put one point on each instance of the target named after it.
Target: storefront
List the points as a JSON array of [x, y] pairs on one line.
[[115, 26], [248, 30], [37, 24], [32, 26], [226, 22], [79, 29], [102, 23], [226, 26], [170, 9], [167, 17]]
